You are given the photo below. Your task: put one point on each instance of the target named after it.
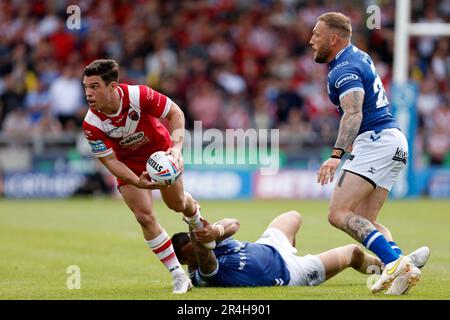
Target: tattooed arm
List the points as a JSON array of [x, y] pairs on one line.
[[206, 258], [351, 103]]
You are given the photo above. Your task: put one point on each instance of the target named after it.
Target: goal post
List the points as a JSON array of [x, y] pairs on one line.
[[405, 92]]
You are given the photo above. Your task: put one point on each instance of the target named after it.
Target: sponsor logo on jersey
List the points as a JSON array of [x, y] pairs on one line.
[[347, 77], [132, 139], [342, 64], [97, 146]]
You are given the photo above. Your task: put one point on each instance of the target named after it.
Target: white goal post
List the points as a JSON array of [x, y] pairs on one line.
[[404, 92], [404, 29]]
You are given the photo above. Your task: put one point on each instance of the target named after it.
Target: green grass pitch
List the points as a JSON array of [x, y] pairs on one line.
[[40, 239]]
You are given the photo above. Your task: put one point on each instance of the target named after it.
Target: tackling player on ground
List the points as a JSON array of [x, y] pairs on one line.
[[123, 130], [379, 150], [270, 261]]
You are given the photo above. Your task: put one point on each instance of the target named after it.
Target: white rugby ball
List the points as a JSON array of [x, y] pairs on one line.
[[161, 168]]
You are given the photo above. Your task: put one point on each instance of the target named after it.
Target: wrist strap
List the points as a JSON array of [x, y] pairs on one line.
[[337, 153]]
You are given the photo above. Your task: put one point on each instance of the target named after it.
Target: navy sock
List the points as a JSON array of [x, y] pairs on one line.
[[396, 248], [378, 244]]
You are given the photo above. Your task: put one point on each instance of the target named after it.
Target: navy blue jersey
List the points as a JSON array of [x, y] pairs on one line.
[[244, 264], [353, 70]]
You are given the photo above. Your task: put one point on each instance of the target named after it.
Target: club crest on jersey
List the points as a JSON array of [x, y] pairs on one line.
[[347, 77], [133, 115], [132, 139]]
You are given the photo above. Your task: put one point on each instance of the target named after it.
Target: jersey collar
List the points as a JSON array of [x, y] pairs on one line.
[[120, 104], [332, 62]]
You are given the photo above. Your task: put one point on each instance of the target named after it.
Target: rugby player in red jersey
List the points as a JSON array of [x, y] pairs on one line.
[[123, 130]]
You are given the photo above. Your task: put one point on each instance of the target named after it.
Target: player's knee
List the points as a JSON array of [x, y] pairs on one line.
[[335, 217], [145, 218], [295, 217]]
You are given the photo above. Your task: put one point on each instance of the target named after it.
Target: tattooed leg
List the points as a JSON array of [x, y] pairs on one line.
[[341, 179], [357, 227]]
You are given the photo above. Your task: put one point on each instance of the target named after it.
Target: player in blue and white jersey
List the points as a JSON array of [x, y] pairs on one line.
[[270, 261], [379, 151]]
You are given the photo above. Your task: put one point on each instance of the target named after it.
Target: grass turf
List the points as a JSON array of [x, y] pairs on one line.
[[40, 239]]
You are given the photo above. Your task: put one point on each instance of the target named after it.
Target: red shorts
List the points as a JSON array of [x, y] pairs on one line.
[[137, 167]]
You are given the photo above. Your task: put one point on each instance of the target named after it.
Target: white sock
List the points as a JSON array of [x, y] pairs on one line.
[[195, 221], [163, 248]]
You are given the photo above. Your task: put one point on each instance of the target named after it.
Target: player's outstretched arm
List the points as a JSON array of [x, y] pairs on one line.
[[121, 171], [218, 231], [206, 258], [175, 116]]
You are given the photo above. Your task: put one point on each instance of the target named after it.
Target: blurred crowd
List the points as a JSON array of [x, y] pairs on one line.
[[229, 63]]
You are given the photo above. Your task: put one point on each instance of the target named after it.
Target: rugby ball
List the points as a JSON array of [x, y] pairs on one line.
[[161, 168]]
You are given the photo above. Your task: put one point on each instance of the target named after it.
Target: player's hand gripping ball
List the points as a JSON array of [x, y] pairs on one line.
[[161, 168]]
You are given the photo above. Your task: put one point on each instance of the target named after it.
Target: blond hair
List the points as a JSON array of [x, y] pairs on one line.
[[338, 22]]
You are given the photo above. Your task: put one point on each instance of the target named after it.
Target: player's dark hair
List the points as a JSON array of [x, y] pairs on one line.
[[178, 241], [107, 69], [339, 22]]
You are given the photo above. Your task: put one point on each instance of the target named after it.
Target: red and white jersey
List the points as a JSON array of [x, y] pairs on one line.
[[134, 132]]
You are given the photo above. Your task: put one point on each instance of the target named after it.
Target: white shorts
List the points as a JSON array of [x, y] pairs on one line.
[[378, 157], [305, 271]]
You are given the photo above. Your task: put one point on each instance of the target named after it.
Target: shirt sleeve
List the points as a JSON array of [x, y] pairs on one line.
[[201, 280], [196, 280], [101, 145], [347, 80], [153, 102]]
